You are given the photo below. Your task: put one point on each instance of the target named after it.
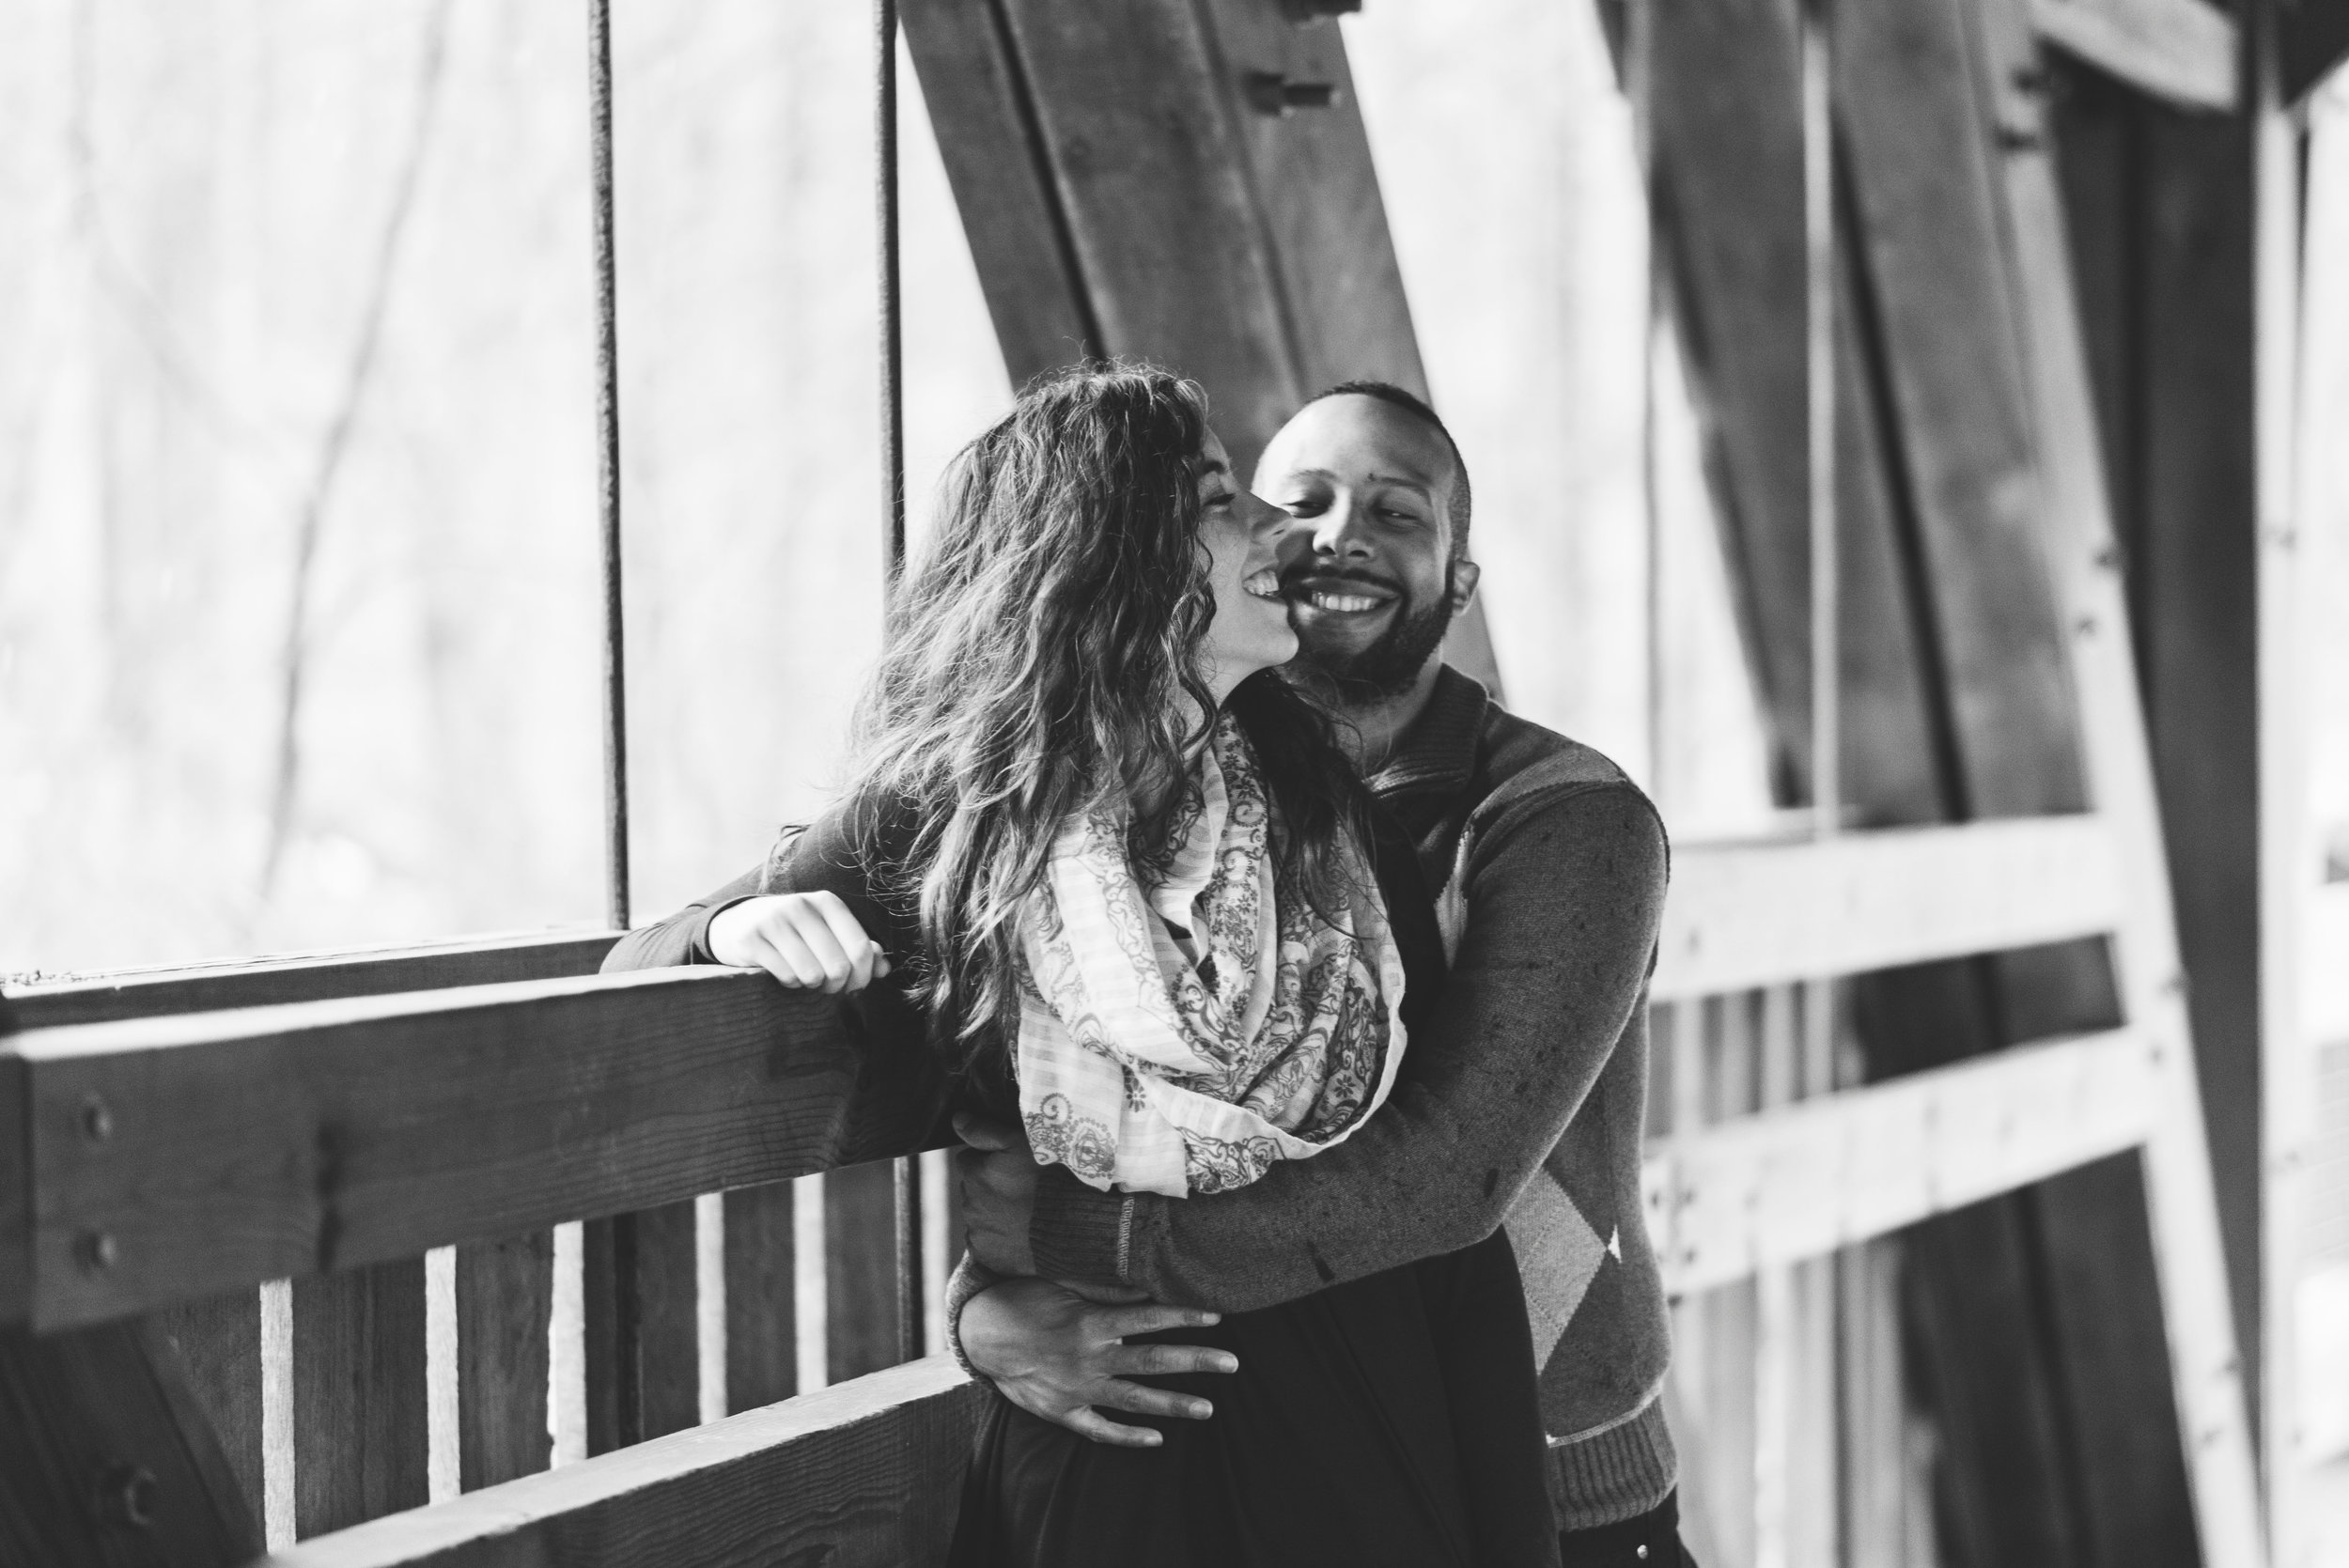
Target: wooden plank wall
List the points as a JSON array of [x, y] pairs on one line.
[[2035, 1318]]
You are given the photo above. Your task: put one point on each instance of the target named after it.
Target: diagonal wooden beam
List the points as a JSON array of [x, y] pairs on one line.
[[1187, 181]]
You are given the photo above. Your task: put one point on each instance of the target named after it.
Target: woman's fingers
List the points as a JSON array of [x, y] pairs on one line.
[[1157, 1360], [831, 959], [1085, 1422], [1118, 1394], [794, 963], [1149, 1317], [855, 946]]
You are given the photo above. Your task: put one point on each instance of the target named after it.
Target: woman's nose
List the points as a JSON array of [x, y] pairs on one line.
[[1268, 519]]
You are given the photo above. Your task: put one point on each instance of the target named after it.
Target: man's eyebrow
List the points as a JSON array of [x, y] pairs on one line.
[[1405, 482]]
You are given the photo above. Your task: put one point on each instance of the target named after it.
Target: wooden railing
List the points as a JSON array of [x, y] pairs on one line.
[[176, 1163]]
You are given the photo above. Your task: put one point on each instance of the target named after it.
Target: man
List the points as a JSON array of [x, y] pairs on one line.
[[1528, 1100]]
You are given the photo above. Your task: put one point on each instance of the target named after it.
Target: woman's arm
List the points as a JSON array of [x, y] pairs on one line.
[[684, 937], [808, 916]]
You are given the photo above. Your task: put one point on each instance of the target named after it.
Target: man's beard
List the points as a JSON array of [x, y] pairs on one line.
[[1392, 660]]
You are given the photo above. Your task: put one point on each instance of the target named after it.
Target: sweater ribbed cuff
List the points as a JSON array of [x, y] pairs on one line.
[[1618, 1474], [1077, 1235], [970, 1278]]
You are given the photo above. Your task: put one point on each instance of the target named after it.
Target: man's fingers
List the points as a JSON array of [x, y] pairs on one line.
[[1160, 1359], [1117, 1394], [1148, 1317], [980, 1132], [1085, 1422]]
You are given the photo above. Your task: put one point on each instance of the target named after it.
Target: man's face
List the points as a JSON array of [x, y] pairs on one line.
[[1368, 570]]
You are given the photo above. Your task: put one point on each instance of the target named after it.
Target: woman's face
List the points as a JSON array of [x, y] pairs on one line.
[[1252, 628]]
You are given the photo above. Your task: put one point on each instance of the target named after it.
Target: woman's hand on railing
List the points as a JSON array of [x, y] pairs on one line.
[[1057, 1356], [808, 941]]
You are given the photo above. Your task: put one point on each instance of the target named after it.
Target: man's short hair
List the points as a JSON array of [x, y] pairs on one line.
[[1387, 392]]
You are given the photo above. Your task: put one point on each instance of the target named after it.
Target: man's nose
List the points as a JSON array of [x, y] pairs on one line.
[[1338, 533]]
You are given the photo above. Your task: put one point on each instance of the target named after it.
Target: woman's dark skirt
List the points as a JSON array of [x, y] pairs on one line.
[[1386, 1421]]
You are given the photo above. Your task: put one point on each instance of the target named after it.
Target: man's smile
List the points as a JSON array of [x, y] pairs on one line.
[[1340, 596]]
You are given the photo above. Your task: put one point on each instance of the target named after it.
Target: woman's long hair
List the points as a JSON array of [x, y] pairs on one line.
[[1035, 656]]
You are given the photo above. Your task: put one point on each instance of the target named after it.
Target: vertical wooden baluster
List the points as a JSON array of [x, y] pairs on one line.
[[644, 1360], [762, 1296], [360, 1436], [505, 1312], [860, 1263]]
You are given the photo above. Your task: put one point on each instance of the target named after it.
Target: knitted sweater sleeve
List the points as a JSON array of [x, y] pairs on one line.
[[684, 937], [1563, 893]]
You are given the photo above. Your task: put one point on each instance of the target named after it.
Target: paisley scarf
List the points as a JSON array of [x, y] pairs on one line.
[[1181, 1024]]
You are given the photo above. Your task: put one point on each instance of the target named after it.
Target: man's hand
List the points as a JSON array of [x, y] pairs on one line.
[[1058, 1356], [808, 941], [998, 1171]]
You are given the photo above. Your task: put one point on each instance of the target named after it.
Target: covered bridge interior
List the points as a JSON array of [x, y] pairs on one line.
[[1988, 375]]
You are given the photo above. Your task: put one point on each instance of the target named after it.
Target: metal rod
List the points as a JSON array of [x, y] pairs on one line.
[[608, 468], [1640, 72], [1818, 215], [907, 1209], [892, 305]]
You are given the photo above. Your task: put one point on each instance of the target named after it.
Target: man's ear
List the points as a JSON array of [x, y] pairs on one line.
[[1462, 587]]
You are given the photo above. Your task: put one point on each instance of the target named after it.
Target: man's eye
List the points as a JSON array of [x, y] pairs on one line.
[[1304, 507]]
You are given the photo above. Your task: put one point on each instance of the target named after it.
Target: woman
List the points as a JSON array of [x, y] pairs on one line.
[[1099, 866]]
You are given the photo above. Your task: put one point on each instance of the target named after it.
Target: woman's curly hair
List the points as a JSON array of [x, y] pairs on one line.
[[1037, 653]]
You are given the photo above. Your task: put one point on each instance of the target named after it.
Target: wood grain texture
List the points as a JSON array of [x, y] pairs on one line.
[[265, 1142], [642, 1335], [1728, 154], [504, 1297], [1745, 915], [849, 1477], [861, 1270], [2188, 1251], [2183, 51], [107, 1462], [762, 1319], [307, 977], [1930, 223], [218, 1344], [1802, 1180], [360, 1433], [2163, 272]]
